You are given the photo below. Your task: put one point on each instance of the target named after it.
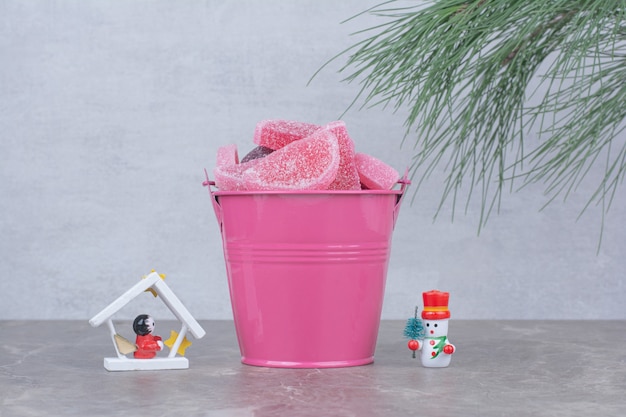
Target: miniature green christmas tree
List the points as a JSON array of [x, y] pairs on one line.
[[414, 329]]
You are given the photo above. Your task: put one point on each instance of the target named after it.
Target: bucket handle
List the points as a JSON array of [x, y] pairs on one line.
[[404, 182], [216, 206]]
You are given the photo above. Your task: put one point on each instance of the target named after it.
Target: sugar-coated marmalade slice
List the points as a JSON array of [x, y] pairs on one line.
[[347, 175], [374, 173], [276, 133], [230, 178], [227, 155], [306, 164]]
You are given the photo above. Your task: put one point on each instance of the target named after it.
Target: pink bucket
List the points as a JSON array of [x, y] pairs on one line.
[[306, 272]]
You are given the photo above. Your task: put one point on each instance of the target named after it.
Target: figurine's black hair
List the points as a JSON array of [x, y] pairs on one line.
[[139, 325]]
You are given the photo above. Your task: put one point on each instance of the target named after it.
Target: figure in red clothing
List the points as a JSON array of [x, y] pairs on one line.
[[147, 343]]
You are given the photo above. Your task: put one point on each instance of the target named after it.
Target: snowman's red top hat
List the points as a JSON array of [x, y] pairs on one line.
[[435, 305]]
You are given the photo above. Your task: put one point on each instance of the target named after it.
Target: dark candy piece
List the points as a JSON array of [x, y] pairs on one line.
[[256, 153]]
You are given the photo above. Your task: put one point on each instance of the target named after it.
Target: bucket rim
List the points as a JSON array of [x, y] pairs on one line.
[[402, 182], [307, 192]]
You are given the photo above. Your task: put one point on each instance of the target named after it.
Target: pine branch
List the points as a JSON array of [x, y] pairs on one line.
[[463, 70]]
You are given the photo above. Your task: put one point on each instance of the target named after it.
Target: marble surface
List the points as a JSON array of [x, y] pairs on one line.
[[500, 368]]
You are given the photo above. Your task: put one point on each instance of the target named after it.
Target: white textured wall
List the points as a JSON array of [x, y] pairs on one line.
[[110, 110]]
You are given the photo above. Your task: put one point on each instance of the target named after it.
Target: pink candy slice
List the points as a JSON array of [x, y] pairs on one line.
[[277, 133], [230, 178], [374, 173], [347, 175], [227, 155], [306, 164]]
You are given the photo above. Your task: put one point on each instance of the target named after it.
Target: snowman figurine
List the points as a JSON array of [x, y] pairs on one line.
[[435, 348]]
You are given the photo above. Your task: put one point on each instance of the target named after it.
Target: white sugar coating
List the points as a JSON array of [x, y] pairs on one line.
[[307, 164], [230, 177], [227, 155], [347, 175], [276, 133], [374, 173]]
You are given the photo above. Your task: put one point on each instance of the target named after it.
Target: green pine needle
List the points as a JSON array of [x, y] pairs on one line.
[[463, 69]]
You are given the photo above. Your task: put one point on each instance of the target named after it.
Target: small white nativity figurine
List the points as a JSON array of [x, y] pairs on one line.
[[147, 345], [430, 335]]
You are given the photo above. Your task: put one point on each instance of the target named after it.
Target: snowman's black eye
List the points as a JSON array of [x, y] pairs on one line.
[[427, 324], [435, 324]]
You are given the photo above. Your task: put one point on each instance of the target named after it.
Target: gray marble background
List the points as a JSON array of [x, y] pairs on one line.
[[110, 111]]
